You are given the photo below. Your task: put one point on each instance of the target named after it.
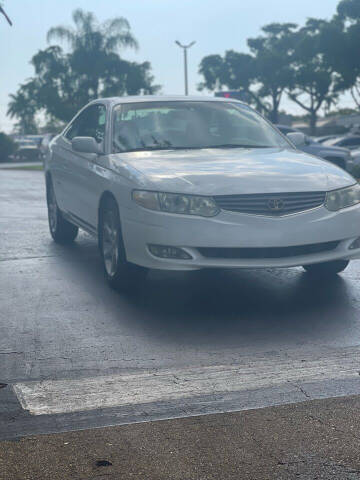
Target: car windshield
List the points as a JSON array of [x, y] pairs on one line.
[[190, 124]]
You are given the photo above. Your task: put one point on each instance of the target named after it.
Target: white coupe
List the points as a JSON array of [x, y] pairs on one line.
[[184, 183]]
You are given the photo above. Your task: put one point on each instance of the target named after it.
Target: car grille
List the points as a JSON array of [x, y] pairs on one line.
[[268, 252], [272, 204]]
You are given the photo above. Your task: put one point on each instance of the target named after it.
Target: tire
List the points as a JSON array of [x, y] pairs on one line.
[[119, 273], [327, 268], [61, 230]]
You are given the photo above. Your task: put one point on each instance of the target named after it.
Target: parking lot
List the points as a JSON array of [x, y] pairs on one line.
[[75, 355]]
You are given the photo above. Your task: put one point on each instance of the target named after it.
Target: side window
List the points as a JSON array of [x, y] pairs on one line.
[[351, 142], [73, 130], [90, 123]]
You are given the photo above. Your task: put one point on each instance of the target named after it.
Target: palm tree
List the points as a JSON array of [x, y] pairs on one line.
[[93, 43], [22, 107], [115, 33]]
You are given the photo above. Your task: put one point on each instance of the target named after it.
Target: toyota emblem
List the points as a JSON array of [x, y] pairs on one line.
[[275, 204]]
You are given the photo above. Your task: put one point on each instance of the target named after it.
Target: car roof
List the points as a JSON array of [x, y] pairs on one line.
[[335, 140], [162, 98]]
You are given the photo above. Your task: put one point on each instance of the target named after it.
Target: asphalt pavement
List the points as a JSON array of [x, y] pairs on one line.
[[188, 347]]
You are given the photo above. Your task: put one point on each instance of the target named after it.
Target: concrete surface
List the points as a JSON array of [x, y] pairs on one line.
[[307, 441]]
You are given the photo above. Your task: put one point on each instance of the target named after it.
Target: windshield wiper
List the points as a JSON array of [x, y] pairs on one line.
[[151, 147], [238, 145], [161, 147]]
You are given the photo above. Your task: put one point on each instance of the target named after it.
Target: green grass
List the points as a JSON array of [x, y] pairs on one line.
[[26, 167]]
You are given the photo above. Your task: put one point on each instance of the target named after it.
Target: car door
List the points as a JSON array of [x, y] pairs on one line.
[[80, 178]]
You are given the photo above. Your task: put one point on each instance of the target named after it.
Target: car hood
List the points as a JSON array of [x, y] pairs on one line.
[[229, 171]]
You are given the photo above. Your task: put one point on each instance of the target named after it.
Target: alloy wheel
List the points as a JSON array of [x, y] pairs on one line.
[[110, 243], [52, 210]]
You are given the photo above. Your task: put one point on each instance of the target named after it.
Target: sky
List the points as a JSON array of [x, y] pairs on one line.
[[215, 25]]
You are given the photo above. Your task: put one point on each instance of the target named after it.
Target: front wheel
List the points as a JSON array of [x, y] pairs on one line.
[[61, 230], [327, 268], [119, 273]]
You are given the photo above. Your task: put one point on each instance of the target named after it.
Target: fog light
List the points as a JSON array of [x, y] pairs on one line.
[[355, 244], [163, 251]]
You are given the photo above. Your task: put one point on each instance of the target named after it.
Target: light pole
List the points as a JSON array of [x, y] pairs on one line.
[[185, 49]]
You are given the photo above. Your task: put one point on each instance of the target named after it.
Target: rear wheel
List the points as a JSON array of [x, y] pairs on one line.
[[327, 268], [119, 273], [61, 230]]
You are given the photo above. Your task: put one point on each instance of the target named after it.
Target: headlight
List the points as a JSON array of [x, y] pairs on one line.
[[346, 197], [176, 203]]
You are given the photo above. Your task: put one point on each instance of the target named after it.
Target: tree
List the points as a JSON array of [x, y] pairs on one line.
[[340, 46], [212, 69], [7, 147], [65, 82], [58, 89], [235, 71], [262, 76], [312, 85], [93, 45], [349, 9], [272, 58], [23, 107]]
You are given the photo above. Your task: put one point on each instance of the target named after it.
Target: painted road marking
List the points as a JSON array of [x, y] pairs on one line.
[[65, 396]]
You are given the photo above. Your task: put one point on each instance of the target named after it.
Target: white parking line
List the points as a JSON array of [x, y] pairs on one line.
[[64, 396]]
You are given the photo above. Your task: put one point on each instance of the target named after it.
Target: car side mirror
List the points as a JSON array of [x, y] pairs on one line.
[[85, 145], [297, 138]]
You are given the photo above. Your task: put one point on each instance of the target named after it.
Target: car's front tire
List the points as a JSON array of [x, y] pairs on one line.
[[119, 273], [327, 268], [61, 230]]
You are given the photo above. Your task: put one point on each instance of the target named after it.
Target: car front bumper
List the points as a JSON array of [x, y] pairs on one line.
[[142, 228]]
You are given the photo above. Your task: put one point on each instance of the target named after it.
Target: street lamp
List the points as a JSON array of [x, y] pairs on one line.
[[185, 49]]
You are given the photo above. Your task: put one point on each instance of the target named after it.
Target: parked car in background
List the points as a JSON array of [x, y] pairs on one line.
[[185, 183], [27, 150], [356, 158], [37, 139], [45, 142], [351, 142], [324, 138], [337, 155]]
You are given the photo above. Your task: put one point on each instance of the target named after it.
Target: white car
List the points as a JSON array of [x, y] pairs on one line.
[[184, 183]]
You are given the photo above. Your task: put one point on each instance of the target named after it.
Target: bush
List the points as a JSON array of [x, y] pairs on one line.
[[7, 147]]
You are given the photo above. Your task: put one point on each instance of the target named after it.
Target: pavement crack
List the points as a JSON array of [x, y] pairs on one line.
[[13, 259], [11, 353], [302, 390], [176, 380]]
